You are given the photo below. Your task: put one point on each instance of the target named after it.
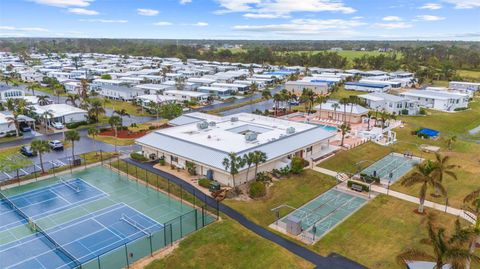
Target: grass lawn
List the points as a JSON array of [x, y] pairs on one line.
[[9, 139], [440, 83], [128, 106], [375, 234], [9, 151], [345, 160], [473, 75], [342, 93], [295, 191], [226, 244], [113, 140]]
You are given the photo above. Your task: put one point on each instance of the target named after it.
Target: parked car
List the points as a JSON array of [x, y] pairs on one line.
[[25, 128], [58, 125], [27, 151], [56, 144]]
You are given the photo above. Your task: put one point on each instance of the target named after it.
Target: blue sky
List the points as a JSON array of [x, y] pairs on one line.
[[243, 19]]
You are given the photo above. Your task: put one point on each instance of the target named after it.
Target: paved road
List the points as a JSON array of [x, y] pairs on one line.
[[333, 261]]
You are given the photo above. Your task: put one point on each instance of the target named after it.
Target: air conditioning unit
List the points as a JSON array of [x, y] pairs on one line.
[[250, 136], [212, 124], [202, 125], [234, 119], [290, 130]]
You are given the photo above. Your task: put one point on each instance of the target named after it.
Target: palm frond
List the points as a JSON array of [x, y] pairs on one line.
[[412, 255], [474, 195]]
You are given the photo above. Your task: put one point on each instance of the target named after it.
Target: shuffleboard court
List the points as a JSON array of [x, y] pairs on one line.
[[392, 167]]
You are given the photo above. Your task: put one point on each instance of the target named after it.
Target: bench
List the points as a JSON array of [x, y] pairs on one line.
[[357, 187]]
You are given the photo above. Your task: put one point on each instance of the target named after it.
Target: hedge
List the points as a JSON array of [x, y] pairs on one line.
[[204, 182], [138, 157], [73, 125]]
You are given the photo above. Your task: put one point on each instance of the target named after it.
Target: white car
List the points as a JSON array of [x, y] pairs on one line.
[[56, 145], [57, 125]]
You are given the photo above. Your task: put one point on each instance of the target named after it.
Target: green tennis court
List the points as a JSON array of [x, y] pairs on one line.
[[95, 218]]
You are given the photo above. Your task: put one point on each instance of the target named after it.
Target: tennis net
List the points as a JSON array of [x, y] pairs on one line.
[[38, 229]]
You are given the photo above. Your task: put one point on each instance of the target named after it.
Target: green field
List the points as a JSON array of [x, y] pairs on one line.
[[473, 75], [227, 244]]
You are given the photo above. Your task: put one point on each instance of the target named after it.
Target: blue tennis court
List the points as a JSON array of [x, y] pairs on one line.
[[84, 238], [92, 219], [48, 200], [391, 167]]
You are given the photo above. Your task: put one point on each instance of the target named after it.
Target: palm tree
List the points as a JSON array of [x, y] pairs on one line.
[[93, 132], [424, 175], [344, 128], [48, 114], [72, 99], [443, 168], [344, 101], [309, 97], [445, 250], [83, 89], [335, 106], [266, 94], [154, 107], [43, 100], [353, 100], [96, 108], [72, 136], [258, 158], [450, 140], [321, 99], [33, 87], [472, 204], [277, 98], [122, 113], [6, 79], [232, 164], [369, 114], [248, 159], [115, 121], [18, 107], [40, 146]]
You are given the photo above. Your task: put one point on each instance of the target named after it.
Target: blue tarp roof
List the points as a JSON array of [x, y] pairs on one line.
[[370, 85], [429, 132]]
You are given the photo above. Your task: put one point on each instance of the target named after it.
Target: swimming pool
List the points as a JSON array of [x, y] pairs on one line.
[[329, 128]]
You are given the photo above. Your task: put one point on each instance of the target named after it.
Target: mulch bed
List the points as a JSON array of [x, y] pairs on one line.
[[123, 134]]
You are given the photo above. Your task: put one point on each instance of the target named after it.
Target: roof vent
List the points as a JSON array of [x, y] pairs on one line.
[[290, 130], [202, 125], [250, 136], [234, 119], [212, 124]]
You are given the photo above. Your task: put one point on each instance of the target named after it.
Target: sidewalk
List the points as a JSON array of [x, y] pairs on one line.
[[379, 189]]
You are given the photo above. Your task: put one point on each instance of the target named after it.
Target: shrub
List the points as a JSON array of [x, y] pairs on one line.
[[422, 111], [460, 108], [151, 127], [161, 161], [404, 111], [297, 165], [370, 178], [263, 177], [138, 157], [204, 182], [257, 189], [73, 125]]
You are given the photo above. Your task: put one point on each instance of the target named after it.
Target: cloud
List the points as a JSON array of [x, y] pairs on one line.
[[104, 21], [464, 4], [200, 24], [163, 23], [64, 3], [82, 11], [147, 12], [23, 29], [282, 7], [302, 26], [393, 25], [264, 16], [429, 18], [391, 18], [184, 2], [432, 6]]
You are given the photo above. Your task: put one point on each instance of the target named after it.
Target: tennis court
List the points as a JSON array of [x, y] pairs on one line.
[[392, 167], [94, 219], [319, 216]]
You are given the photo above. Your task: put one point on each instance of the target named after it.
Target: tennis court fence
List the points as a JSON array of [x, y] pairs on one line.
[[33, 171]]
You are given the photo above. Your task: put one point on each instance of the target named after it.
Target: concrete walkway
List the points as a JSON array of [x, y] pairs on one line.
[[379, 189]]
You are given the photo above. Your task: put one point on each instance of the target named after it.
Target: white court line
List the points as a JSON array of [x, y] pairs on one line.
[[26, 173], [61, 163], [9, 177]]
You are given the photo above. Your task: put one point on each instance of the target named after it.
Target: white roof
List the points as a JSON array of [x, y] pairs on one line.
[[186, 93], [434, 94], [156, 98], [357, 110], [211, 145], [380, 96], [58, 110], [155, 87], [213, 89]]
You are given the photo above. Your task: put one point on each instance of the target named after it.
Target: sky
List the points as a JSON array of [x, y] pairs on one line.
[[243, 19]]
